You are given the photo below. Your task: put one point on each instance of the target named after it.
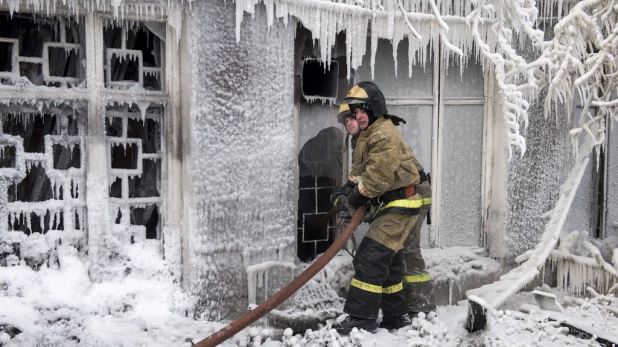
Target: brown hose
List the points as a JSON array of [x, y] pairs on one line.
[[275, 300]]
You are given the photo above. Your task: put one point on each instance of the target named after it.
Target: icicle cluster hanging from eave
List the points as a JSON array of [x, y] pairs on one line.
[[327, 18], [486, 28]]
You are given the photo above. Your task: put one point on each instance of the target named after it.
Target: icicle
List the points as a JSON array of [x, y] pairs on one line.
[[42, 222], [143, 106], [27, 221]]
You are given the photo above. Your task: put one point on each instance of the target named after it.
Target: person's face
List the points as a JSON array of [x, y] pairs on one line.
[[351, 125], [362, 118]]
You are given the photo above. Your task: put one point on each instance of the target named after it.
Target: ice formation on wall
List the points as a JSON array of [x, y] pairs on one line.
[[258, 277], [579, 273], [242, 154]]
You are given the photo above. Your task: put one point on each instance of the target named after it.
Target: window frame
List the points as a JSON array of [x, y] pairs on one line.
[[437, 101], [97, 217]]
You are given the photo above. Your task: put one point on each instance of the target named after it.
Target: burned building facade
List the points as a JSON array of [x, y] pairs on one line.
[[206, 133]]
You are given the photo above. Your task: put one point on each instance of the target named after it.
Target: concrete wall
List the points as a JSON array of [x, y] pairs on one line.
[[242, 159]]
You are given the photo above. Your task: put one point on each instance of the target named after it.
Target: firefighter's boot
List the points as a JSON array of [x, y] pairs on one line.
[[350, 322], [391, 323]]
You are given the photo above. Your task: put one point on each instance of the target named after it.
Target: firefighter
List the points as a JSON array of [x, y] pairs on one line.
[[339, 195], [346, 117], [382, 171], [417, 282]]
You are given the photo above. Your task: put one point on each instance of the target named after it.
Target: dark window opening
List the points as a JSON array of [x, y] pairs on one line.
[[29, 36], [6, 61], [32, 127], [149, 130], [320, 172], [28, 140], [66, 62], [35, 187], [66, 157], [7, 156], [318, 80], [126, 68], [148, 217], [133, 135], [118, 216], [134, 56], [115, 189], [29, 223], [146, 185], [113, 127], [124, 156]]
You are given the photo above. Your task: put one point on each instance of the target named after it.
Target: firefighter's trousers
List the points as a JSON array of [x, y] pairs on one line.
[[417, 283], [377, 281]]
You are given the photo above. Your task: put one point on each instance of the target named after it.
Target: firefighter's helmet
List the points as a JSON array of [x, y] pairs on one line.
[[367, 93], [344, 112]]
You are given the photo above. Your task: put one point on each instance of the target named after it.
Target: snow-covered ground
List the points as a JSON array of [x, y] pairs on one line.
[[60, 306]]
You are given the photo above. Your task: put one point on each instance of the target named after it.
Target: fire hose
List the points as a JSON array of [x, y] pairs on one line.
[[291, 288]]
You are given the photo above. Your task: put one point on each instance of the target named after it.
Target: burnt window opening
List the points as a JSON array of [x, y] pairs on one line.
[[30, 223], [135, 153], [124, 155], [66, 157], [34, 187], [319, 80], [32, 127], [43, 50], [41, 163], [7, 156], [115, 190], [148, 217], [133, 55], [65, 62], [320, 172]]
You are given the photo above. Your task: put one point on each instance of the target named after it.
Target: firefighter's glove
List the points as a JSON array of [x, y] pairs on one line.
[[356, 199], [340, 194]]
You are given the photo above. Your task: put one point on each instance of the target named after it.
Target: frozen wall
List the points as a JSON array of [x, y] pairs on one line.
[[515, 221], [242, 155], [534, 181]]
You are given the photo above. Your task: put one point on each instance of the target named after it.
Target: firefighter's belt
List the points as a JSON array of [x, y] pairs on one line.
[[397, 194]]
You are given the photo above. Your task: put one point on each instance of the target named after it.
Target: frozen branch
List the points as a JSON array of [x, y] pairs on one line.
[[407, 21]]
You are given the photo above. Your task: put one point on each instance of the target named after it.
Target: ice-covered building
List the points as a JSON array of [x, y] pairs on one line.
[[205, 131]]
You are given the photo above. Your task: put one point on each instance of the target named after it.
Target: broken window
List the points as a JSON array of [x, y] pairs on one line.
[[320, 172], [133, 57], [43, 154], [134, 166], [41, 171], [40, 51]]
